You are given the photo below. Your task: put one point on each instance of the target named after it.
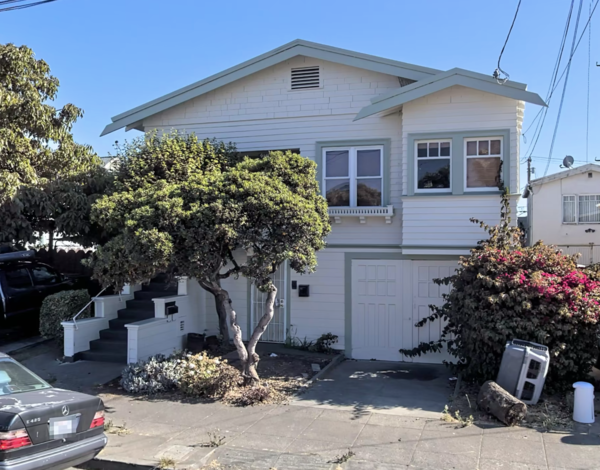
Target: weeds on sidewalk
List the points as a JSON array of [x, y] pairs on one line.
[[456, 418], [166, 463], [111, 428], [343, 458], [214, 439]]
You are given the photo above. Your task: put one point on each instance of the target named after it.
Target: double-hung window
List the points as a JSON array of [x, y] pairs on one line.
[[353, 176], [433, 165], [581, 209], [483, 163]]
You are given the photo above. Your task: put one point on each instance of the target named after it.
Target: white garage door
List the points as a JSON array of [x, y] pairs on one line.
[[426, 293], [388, 298], [376, 309]]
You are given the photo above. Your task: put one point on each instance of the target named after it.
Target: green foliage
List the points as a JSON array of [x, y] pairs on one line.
[[59, 307], [325, 342], [190, 204], [47, 181], [206, 376], [504, 291]]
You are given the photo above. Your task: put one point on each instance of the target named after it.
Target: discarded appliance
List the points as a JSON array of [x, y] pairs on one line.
[[583, 406], [523, 370]]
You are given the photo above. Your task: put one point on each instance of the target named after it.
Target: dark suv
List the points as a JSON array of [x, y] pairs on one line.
[[25, 283]]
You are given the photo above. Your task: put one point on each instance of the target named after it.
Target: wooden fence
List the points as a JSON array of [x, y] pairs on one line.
[[66, 261]]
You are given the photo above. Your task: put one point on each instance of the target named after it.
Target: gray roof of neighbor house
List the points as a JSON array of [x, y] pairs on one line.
[[565, 174], [428, 80]]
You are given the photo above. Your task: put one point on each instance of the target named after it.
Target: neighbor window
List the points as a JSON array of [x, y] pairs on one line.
[[433, 165], [582, 209], [353, 176], [483, 163]]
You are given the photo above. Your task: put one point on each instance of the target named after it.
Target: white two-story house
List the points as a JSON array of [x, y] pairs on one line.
[[564, 209], [406, 155]]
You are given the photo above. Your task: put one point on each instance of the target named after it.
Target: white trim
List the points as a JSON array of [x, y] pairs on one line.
[[434, 251], [565, 174], [467, 157], [362, 212], [352, 171], [416, 159]]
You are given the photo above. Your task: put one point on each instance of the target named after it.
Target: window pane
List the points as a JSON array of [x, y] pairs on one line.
[[483, 172], [495, 147], [569, 209], [368, 192], [472, 147], [336, 163], [434, 149], [588, 209], [42, 275], [484, 147], [445, 149], [337, 192], [433, 174], [421, 150], [368, 163], [18, 278], [14, 378]]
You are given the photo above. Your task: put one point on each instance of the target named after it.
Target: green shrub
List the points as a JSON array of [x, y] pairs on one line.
[[504, 291], [206, 376], [325, 342], [158, 374], [59, 307]]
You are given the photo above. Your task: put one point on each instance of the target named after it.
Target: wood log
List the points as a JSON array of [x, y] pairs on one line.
[[493, 399]]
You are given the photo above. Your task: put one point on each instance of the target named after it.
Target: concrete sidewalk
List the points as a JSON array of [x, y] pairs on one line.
[[309, 437]]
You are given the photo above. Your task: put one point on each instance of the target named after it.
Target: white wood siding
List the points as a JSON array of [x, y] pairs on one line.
[[548, 211], [260, 113], [463, 109]]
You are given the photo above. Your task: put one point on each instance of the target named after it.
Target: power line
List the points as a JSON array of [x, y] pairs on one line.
[[499, 70], [562, 98], [20, 7]]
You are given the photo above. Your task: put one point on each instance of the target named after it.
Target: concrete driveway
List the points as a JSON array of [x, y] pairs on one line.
[[398, 388]]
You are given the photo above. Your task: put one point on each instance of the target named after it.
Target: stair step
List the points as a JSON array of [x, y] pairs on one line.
[[102, 356], [114, 334], [134, 315], [153, 294], [159, 286], [119, 323], [109, 345], [140, 304]]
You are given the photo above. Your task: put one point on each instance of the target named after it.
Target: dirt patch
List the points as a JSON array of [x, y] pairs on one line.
[[551, 413]]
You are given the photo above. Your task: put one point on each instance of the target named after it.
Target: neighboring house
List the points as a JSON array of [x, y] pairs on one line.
[[406, 155], [564, 209]]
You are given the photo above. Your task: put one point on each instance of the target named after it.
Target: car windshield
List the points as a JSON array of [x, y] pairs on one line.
[[14, 378]]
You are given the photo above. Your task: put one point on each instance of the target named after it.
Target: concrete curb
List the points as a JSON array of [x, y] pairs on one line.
[[105, 464], [319, 376], [20, 349]]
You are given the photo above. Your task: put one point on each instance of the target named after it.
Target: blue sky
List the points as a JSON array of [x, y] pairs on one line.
[[112, 55]]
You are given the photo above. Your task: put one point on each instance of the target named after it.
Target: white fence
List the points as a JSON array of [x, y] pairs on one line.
[[590, 254]]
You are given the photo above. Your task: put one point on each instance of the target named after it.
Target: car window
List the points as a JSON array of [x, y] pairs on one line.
[[14, 378], [18, 278], [43, 275]]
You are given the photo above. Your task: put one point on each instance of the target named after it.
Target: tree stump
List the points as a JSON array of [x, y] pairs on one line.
[[496, 401]]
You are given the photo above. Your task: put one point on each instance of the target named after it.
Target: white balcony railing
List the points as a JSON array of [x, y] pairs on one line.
[[362, 213]]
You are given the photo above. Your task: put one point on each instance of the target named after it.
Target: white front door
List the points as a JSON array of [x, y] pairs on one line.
[[277, 328], [426, 293], [376, 309]]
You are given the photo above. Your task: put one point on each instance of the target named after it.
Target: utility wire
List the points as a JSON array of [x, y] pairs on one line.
[[562, 98], [587, 118], [499, 70], [23, 5]]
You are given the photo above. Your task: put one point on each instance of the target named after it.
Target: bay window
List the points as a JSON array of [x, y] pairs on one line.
[[353, 176], [483, 163]]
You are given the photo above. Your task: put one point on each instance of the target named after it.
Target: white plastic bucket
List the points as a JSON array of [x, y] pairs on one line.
[[583, 408]]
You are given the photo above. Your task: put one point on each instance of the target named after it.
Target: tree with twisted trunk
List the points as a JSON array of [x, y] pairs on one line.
[[201, 209]]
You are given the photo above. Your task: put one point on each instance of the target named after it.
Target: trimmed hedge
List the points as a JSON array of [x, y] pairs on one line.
[[59, 307]]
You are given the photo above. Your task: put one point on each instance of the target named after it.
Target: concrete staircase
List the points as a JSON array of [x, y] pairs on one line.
[[112, 345]]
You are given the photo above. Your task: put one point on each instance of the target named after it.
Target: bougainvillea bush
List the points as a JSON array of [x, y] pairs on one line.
[[504, 291]]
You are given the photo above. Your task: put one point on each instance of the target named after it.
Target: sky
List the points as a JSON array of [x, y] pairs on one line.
[[112, 55]]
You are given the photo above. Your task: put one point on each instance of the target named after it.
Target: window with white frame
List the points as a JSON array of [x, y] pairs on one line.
[[433, 165], [483, 162], [581, 209], [353, 176]]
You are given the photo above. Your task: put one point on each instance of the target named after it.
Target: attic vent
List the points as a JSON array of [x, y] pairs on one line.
[[306, 77]]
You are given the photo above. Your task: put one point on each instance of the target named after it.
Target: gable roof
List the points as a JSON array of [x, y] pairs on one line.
[[131, 119], [456, 76], [565, 174]]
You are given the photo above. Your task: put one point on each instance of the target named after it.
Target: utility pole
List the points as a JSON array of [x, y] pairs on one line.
[[529, 170]]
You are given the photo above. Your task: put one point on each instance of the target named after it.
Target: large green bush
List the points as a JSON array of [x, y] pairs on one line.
[[59, 307], [504, 291]]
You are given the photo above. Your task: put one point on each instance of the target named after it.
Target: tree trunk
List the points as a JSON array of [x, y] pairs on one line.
[[51, 246], [494, 400], [221, 300]]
